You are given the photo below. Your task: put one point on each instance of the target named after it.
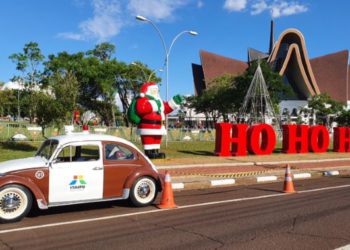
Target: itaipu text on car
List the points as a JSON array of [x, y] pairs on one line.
[[77, 168]]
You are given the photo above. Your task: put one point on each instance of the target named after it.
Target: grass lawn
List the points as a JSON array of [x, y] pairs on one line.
[[16, 150], [179, 153]]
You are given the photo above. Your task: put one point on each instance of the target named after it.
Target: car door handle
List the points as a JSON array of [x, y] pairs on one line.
[[97, 168]]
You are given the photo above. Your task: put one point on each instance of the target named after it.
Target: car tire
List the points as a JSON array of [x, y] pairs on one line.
[[143, 192], [15, 203]]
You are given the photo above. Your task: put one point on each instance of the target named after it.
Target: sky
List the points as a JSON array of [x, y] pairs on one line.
[[225, 27]]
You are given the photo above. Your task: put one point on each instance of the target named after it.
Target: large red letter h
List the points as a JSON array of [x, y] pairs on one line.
[[341, 139], [295, 139], [231, 139]]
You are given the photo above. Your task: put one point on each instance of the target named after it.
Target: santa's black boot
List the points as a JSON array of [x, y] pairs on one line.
[[149, 153], [160, 155]]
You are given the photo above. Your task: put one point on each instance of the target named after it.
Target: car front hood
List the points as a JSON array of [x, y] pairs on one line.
[[20, 164]]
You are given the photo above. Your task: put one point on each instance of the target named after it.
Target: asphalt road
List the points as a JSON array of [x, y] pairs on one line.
[[242, 217]]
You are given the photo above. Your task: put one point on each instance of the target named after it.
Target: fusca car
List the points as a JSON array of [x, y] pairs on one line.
[[74, 169]]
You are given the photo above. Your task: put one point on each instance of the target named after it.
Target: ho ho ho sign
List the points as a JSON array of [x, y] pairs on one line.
[[260, 139]]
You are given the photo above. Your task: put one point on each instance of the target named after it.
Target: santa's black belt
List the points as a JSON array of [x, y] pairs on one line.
[[153, 122]]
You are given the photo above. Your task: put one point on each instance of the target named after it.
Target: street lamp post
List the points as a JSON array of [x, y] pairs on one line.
[[167, 54]]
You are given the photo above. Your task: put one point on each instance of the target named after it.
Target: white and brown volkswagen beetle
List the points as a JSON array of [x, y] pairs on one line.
[[77, 168]]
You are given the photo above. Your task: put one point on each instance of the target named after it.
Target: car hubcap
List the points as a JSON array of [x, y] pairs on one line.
[[10, 202], [13, 203], [144, 190]]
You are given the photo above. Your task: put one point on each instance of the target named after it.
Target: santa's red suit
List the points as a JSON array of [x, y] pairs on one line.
[[152, 110]]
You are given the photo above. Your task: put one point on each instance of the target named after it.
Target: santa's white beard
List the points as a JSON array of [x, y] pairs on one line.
[[157, 96]]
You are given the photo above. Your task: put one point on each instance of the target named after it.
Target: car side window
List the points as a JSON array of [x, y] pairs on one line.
[[115, 152], [79, 153]]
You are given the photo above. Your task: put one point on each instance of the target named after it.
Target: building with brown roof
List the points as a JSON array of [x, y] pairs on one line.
[[288, 55]]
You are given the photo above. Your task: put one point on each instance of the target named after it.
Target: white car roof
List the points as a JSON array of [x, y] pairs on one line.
[[80, 137]]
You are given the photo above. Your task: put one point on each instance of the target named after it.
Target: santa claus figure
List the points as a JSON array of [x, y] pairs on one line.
[[152, 110]]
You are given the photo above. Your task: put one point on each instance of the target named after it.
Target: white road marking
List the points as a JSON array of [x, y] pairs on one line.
[[302, 175], [178, 185], [222, 182], [347, 247], [322, 189], [266, 178], [162, 210]]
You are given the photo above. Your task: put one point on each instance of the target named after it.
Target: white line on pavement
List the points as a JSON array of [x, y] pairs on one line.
[[322, 189], [162, 210], [347, 247]]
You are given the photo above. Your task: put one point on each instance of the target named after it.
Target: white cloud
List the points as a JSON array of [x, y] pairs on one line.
[[155, 9], [277, 8], [259, 7], [235, 5], [71, 36], [105, 23], [110, 16], [200, 4], [283, 8]]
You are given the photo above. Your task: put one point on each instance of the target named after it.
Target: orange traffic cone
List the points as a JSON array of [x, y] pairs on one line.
[[288, 181], [167, 200]]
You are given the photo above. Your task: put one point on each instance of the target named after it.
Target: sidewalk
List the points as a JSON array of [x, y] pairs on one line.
[[207, 172]]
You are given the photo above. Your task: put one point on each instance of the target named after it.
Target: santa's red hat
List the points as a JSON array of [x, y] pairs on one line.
[[145, 86]]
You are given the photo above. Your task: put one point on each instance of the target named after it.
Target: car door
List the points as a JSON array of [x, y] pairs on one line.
[[76, 173], [120, 161]]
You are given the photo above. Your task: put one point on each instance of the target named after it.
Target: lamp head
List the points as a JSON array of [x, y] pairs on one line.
[[141, 18]]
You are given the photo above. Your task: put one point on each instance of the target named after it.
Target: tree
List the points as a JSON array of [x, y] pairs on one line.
[[49, 111], [324, 107], [203, 104], [90, 73], [226, 93], [221, 92], [28, 63], [8, 102], [278, 90], [102, 51], [100, 79], [216, 100], [343, 119], [65, 88]]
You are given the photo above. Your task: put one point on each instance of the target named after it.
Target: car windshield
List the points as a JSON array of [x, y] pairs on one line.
[[47, 148]]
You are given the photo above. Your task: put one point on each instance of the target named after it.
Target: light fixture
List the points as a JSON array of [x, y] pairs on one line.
[[141, 18]]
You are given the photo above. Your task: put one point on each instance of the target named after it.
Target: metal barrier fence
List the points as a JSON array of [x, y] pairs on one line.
[[28, 132]]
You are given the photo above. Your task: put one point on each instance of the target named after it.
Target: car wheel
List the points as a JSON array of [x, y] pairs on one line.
[[15, 203], [143, 192]]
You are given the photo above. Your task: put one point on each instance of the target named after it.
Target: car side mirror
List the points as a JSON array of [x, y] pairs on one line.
[[52, 162]]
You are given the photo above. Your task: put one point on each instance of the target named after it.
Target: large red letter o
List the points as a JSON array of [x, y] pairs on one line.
[[318, 139], [267, 144]]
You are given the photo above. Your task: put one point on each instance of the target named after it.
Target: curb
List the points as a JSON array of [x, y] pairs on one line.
[[187, 183], [252, 163], [212, 165]]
